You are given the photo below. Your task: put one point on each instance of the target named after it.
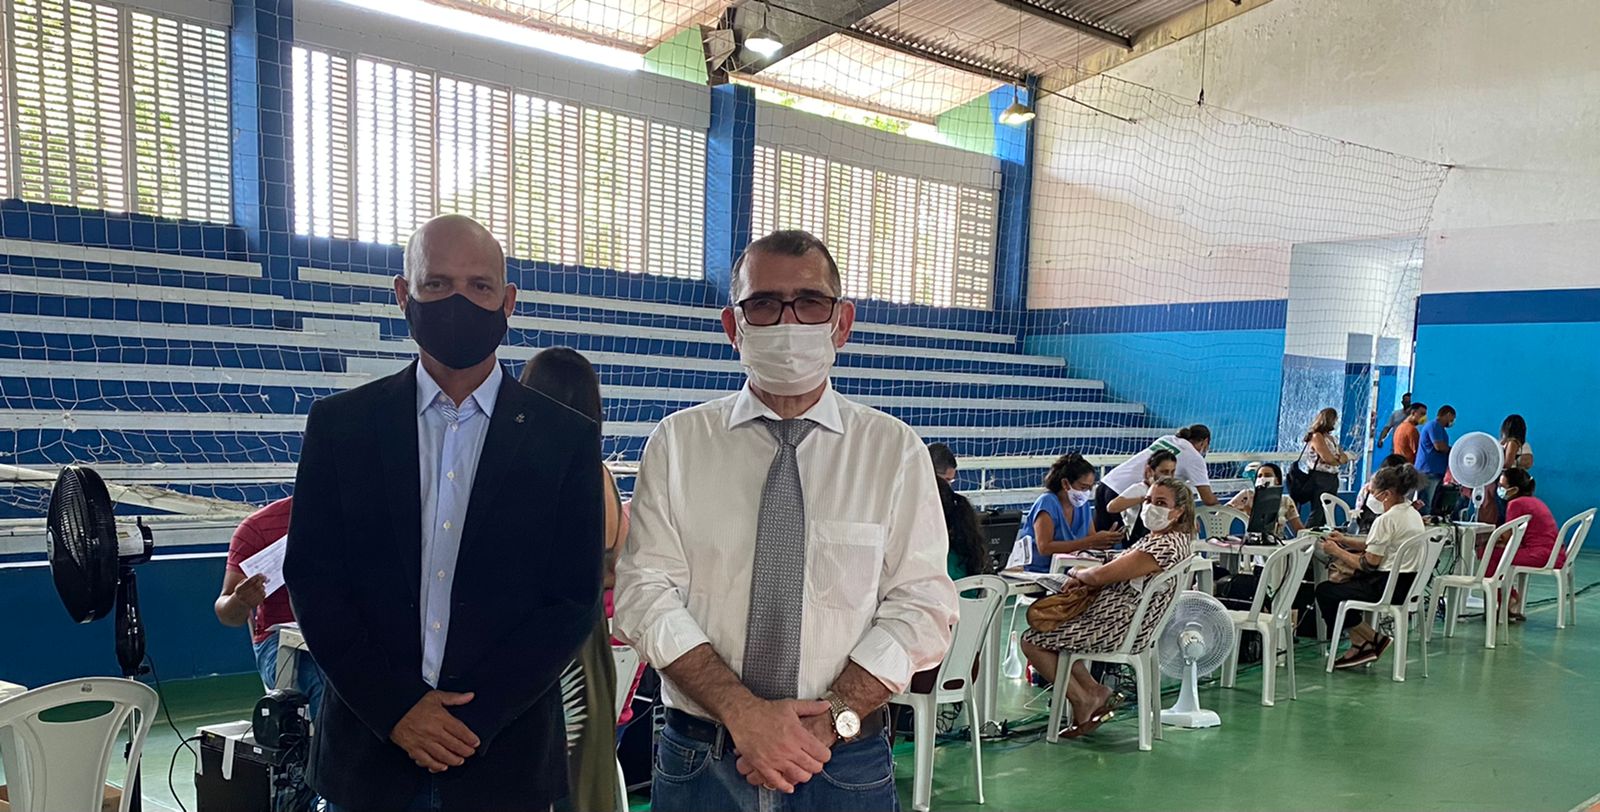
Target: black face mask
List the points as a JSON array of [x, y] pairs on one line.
[[454, 330]]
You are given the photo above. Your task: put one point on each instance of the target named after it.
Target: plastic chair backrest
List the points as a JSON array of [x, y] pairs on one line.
[[1217, 521], [1331, 505], [1580, 525], [977, 614], [1154, 586], [1432, 542], [1515, 530], [1282, 572], [626, 661], [61, 766]]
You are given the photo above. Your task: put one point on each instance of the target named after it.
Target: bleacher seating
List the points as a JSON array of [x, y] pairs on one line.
[[194, 375]]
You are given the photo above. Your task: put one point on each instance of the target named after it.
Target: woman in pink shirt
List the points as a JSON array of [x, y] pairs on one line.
[[1516, 491]]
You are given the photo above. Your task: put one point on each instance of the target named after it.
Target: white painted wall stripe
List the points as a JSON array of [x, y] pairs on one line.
[[132, 259]]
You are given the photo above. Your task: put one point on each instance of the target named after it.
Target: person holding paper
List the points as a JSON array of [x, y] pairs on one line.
[[245, 598], [445, 556]]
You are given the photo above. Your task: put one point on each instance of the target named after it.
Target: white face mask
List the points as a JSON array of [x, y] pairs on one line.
[[1374, 505], [1155, 517], [787, 359], [1079, 498], [1266, 482]]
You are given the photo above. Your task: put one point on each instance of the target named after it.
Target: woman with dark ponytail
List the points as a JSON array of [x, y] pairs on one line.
[[1538, 541], [1061, 519]]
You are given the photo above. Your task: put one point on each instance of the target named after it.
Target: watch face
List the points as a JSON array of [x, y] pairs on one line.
[[847, 724]]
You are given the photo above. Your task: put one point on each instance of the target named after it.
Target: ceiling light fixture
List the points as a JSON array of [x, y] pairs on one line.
[[1018, 113], [763, 42]]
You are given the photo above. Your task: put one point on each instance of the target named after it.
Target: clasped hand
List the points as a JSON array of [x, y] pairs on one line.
[[432, 736], [782, 743]]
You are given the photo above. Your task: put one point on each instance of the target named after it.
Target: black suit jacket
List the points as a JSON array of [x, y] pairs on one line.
[[525, 594]]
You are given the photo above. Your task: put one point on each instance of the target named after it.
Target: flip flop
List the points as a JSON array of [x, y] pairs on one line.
[[1101, 715]]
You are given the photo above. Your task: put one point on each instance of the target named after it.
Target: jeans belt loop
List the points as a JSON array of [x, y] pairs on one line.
[[721, 741]]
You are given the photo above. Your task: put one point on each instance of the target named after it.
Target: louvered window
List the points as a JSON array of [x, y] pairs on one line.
[[556, 182], [896, 237], [115, 109]]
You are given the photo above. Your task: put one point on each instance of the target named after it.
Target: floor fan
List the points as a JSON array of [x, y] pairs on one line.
[[1475, 461], [1195, 642], [91, 563]]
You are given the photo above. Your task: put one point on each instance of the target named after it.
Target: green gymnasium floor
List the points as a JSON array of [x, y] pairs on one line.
[[1514, 728]]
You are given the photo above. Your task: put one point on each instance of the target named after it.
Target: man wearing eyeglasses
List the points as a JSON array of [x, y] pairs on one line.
[[785, 568]]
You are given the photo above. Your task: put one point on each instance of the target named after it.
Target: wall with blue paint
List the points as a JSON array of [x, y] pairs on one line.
[[1218, 363], [1533, 353]]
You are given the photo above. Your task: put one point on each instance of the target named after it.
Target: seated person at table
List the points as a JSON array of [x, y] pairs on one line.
[[1061, 519], [1162, 463], [245, 599], [1366, 507], [1269, 475], [1169, 512], [968, 553], [1516, 490], [1361, 566]]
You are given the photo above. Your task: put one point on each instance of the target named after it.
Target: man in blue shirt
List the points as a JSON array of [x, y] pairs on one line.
[[1433, 454]]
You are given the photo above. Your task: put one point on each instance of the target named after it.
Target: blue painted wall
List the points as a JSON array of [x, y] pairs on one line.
[[1227, 379], [1534, 353], [39, 644]]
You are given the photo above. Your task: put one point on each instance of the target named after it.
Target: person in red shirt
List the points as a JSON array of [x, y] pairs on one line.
[[1538, 541], [245, 599]]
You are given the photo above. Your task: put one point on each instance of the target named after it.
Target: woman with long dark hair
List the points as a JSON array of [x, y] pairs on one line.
[[1317, 470], [968, 553], [588, 684], [1061, 519], [1514, 442]]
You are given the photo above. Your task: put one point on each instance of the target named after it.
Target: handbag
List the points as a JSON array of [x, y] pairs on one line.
[[1049, 612], [1298, 481]]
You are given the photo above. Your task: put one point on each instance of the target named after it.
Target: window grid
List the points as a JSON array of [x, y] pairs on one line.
[[555, 182], [896, 237], [115, 109]]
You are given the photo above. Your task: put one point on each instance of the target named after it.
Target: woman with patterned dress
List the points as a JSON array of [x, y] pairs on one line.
[[1169, 513]]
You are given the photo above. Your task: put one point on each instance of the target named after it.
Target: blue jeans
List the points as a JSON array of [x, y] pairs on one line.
[[307, 676], [689, 778]]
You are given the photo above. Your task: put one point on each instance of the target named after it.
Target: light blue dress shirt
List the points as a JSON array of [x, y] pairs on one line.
[[449, 442]]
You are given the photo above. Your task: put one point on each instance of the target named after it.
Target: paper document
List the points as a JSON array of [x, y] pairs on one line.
[[268, 562]]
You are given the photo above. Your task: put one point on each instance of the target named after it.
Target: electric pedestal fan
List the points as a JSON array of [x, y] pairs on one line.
[[1195, 642], [92, 563], [1475, 461]]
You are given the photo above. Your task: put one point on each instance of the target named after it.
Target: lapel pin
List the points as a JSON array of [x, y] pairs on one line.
[[520, 417]]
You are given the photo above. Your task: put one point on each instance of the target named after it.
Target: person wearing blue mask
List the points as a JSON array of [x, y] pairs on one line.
[[1061, 519]]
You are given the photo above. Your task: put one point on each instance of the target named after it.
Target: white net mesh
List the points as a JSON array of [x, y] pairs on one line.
[[1173, 263]]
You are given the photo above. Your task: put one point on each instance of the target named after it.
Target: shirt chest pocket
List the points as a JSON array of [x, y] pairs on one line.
[[844, 562]]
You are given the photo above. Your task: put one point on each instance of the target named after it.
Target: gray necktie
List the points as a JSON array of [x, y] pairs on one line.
[[777, 586]]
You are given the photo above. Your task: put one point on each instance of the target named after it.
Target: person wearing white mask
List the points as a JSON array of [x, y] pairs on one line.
[[1062, 518], [1169, 513], [1269, 475], [1129, 503], [781, 521]]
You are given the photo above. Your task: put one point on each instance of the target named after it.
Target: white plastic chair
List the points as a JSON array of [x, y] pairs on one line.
[[1565, 596], [626, 661], [62, 766], [1146, 671], [1495, 588], [1430, 543], [1331, 506], [954, 682], [1281, 575], [1217, 521]]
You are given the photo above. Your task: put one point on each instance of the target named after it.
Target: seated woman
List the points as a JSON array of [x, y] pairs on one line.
[[1162, 463], [1169, 512], [1366, 507], [1516, 491], [1060, 520], [968, 553], [1362, 565], [1269, 475]]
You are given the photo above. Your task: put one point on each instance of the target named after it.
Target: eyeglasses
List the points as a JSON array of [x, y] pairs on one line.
[[765, 311]]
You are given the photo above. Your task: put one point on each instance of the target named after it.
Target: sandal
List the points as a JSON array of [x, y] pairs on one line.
[[1516, 617], [1101, 715], [1357, 656]]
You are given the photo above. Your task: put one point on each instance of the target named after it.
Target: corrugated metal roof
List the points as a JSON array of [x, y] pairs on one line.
[[634, 24], [847, 70]]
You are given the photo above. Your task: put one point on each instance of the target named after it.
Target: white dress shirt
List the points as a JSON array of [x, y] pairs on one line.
[[876, 590], [449, 443]]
